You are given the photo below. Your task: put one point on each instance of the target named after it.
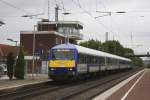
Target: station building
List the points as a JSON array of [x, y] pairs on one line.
[[47, 34]]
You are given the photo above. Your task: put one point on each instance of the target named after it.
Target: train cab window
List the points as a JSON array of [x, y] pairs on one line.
[[63, 54]]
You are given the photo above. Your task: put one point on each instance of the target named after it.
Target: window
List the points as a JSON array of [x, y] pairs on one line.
[[90, 59], [81, 59], [57, 42], [63, 54], [97, 60], [102, 60], [61, 41]]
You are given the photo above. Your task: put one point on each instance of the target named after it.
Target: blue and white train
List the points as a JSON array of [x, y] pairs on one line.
[[68, 61]]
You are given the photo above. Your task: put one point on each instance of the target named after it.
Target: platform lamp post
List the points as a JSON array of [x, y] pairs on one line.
[[33, 53], [33, 45]]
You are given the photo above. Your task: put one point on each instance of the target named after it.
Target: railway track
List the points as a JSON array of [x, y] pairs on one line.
[[27, 91], [69, 91], [90, 92], [97, 87], [85, 90]]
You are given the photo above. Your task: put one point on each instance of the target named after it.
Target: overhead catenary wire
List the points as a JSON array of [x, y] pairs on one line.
[[63, 5], [78, 4], [14, 6]]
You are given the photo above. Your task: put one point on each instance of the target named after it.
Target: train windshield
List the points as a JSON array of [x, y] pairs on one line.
[[63, 54]]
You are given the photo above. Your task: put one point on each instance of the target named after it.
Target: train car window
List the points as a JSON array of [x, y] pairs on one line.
[[114, 61], [108, 61], [92, 59], [81, 58], [122, 62], [96, 60], [85, 58], [102, 60], [89, 59]]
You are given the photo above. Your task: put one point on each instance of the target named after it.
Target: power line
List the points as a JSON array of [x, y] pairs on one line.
[[88, 13], [13, 6], [63, 5], [102, 5], [48, 10]]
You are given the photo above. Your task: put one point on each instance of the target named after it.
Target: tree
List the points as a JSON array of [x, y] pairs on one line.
[[113, 47], [93, 44], [137, 62], [10, 65], [19, 70], [128, 52]]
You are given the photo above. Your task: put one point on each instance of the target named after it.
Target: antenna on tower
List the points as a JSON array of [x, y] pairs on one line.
[[56, 13], [48, 10]]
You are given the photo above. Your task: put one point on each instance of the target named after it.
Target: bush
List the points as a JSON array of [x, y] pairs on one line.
[[148, 66], [19, 70], [10, 65]]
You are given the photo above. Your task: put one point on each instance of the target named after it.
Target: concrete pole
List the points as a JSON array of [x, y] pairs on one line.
[[106, 36], [33, 48]]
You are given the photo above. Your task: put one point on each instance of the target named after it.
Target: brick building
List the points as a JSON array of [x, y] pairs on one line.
[[4, 50], [47, 35]]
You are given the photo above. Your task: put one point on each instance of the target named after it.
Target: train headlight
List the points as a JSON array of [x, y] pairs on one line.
[[52, 69], [70, 69]]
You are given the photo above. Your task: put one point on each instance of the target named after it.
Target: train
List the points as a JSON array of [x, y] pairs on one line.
[[70, 61]]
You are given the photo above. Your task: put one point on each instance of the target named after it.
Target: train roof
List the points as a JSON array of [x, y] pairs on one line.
[[89, 51]]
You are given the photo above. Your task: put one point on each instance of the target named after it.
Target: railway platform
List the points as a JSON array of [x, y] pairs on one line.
[[5, 83], [137, 87]]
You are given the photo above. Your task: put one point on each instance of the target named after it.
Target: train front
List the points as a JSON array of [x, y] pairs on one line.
[[62, 63]]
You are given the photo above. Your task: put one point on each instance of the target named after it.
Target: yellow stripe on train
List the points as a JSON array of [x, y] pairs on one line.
[[62, 63]]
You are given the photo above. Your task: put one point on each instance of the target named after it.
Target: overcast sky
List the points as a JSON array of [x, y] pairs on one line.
[[130, 28]]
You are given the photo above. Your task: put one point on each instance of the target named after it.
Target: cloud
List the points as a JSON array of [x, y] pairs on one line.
[[119, 26]]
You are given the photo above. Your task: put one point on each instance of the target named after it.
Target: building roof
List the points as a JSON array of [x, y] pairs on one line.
[[42, 32], [5, 49], [89, 51], [77, 24]]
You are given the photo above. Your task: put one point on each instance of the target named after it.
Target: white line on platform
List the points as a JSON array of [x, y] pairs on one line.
[[112, 90], [126, 94]]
